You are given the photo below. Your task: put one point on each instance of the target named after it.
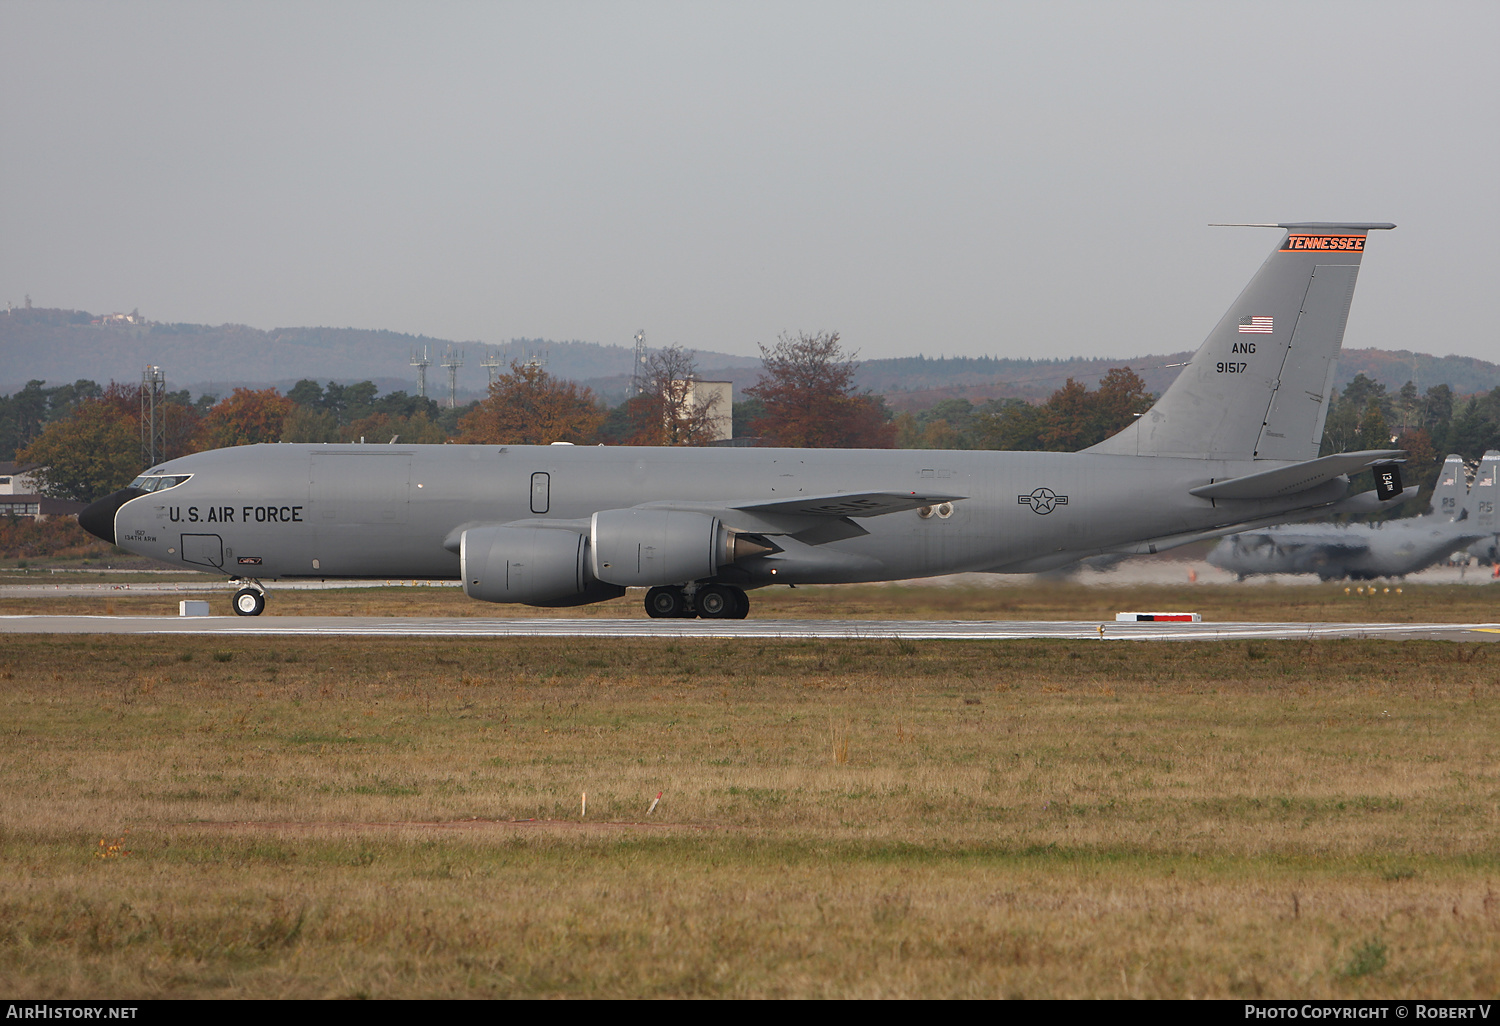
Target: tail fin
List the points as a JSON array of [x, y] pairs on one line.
[[1260, 385], [1484, 494], [1451, 489]]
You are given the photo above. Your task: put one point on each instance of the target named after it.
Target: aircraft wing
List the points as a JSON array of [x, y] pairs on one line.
[[1299, 477], [812, 519], [847, 504]]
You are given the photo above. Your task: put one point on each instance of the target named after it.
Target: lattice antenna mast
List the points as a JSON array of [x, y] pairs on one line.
[[421, 363], [453, 360], [638, 373], [153, 416], [491, 363]]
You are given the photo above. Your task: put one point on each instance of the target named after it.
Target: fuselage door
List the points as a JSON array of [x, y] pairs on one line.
[[203, 549], [541, 489]]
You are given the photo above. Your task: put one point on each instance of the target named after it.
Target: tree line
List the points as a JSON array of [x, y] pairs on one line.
[[88, 437]]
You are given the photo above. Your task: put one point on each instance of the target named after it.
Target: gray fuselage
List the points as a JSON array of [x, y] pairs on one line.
[[378, 511]]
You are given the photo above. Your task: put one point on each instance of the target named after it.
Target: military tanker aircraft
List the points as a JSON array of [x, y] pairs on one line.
[[1363, 552], [1231, 444]]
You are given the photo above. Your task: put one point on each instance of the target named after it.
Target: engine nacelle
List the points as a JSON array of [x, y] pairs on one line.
[[649, 547], [539, 566]]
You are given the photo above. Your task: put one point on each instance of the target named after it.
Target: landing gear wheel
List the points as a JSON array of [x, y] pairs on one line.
[[666, 602], [717, 602], [741, 605], [249, 602]]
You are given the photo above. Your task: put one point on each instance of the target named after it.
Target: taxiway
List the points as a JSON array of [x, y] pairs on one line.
[[962, 630]]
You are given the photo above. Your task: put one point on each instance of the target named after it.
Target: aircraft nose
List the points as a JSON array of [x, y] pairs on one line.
[[98, 519]]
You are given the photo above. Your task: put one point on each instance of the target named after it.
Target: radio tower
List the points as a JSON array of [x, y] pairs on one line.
[[453, 361], [638, 375], [421, 363], [153, 416], [491, 363]]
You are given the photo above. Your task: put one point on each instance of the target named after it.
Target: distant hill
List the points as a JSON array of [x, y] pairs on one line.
[[65, 345]]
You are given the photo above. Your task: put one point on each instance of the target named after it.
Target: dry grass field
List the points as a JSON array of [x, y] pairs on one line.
[[226, 817]]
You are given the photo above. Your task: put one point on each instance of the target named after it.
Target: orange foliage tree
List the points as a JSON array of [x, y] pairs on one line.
[[807, 389], [245, 418], [1075, 418], [528, 406]]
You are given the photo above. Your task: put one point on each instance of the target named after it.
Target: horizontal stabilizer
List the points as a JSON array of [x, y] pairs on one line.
[[1271, 484], [853, 504], [1369, 502]]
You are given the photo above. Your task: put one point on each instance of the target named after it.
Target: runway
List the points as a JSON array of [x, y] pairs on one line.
[[538, 627]]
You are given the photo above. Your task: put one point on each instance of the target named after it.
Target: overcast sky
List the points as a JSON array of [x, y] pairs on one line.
[[1010, 179]]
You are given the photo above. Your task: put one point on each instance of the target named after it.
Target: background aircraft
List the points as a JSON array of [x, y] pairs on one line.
[[1483, 495], [1231, 444], [1394, 548]]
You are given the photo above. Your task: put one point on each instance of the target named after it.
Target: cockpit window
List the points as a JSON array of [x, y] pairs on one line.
[[156, 484]]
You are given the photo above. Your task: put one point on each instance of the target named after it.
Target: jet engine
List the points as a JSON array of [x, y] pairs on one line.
[[539, 566], [650, 547]]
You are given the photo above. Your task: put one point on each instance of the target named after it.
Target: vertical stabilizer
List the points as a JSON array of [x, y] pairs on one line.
[[1484, 494], [1451, 489], [1260, 385]]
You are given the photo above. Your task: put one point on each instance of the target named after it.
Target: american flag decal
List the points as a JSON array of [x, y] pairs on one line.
[[1255, 325]]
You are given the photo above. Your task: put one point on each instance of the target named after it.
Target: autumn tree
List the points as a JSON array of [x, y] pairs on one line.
[[528, 406], [1072, 418], [88, 454], [807, 390], [667, 411], [248, 416], [1067, 418], [1120, 399]]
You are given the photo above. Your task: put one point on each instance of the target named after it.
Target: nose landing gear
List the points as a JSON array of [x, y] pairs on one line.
[[249, 601]]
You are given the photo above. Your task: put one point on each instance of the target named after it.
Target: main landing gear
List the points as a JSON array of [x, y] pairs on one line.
[[712, 602], [249, 601]]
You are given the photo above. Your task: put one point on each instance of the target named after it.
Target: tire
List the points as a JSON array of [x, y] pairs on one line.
[[662, 603], [716, 602], [742, 604], [249, 602]]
